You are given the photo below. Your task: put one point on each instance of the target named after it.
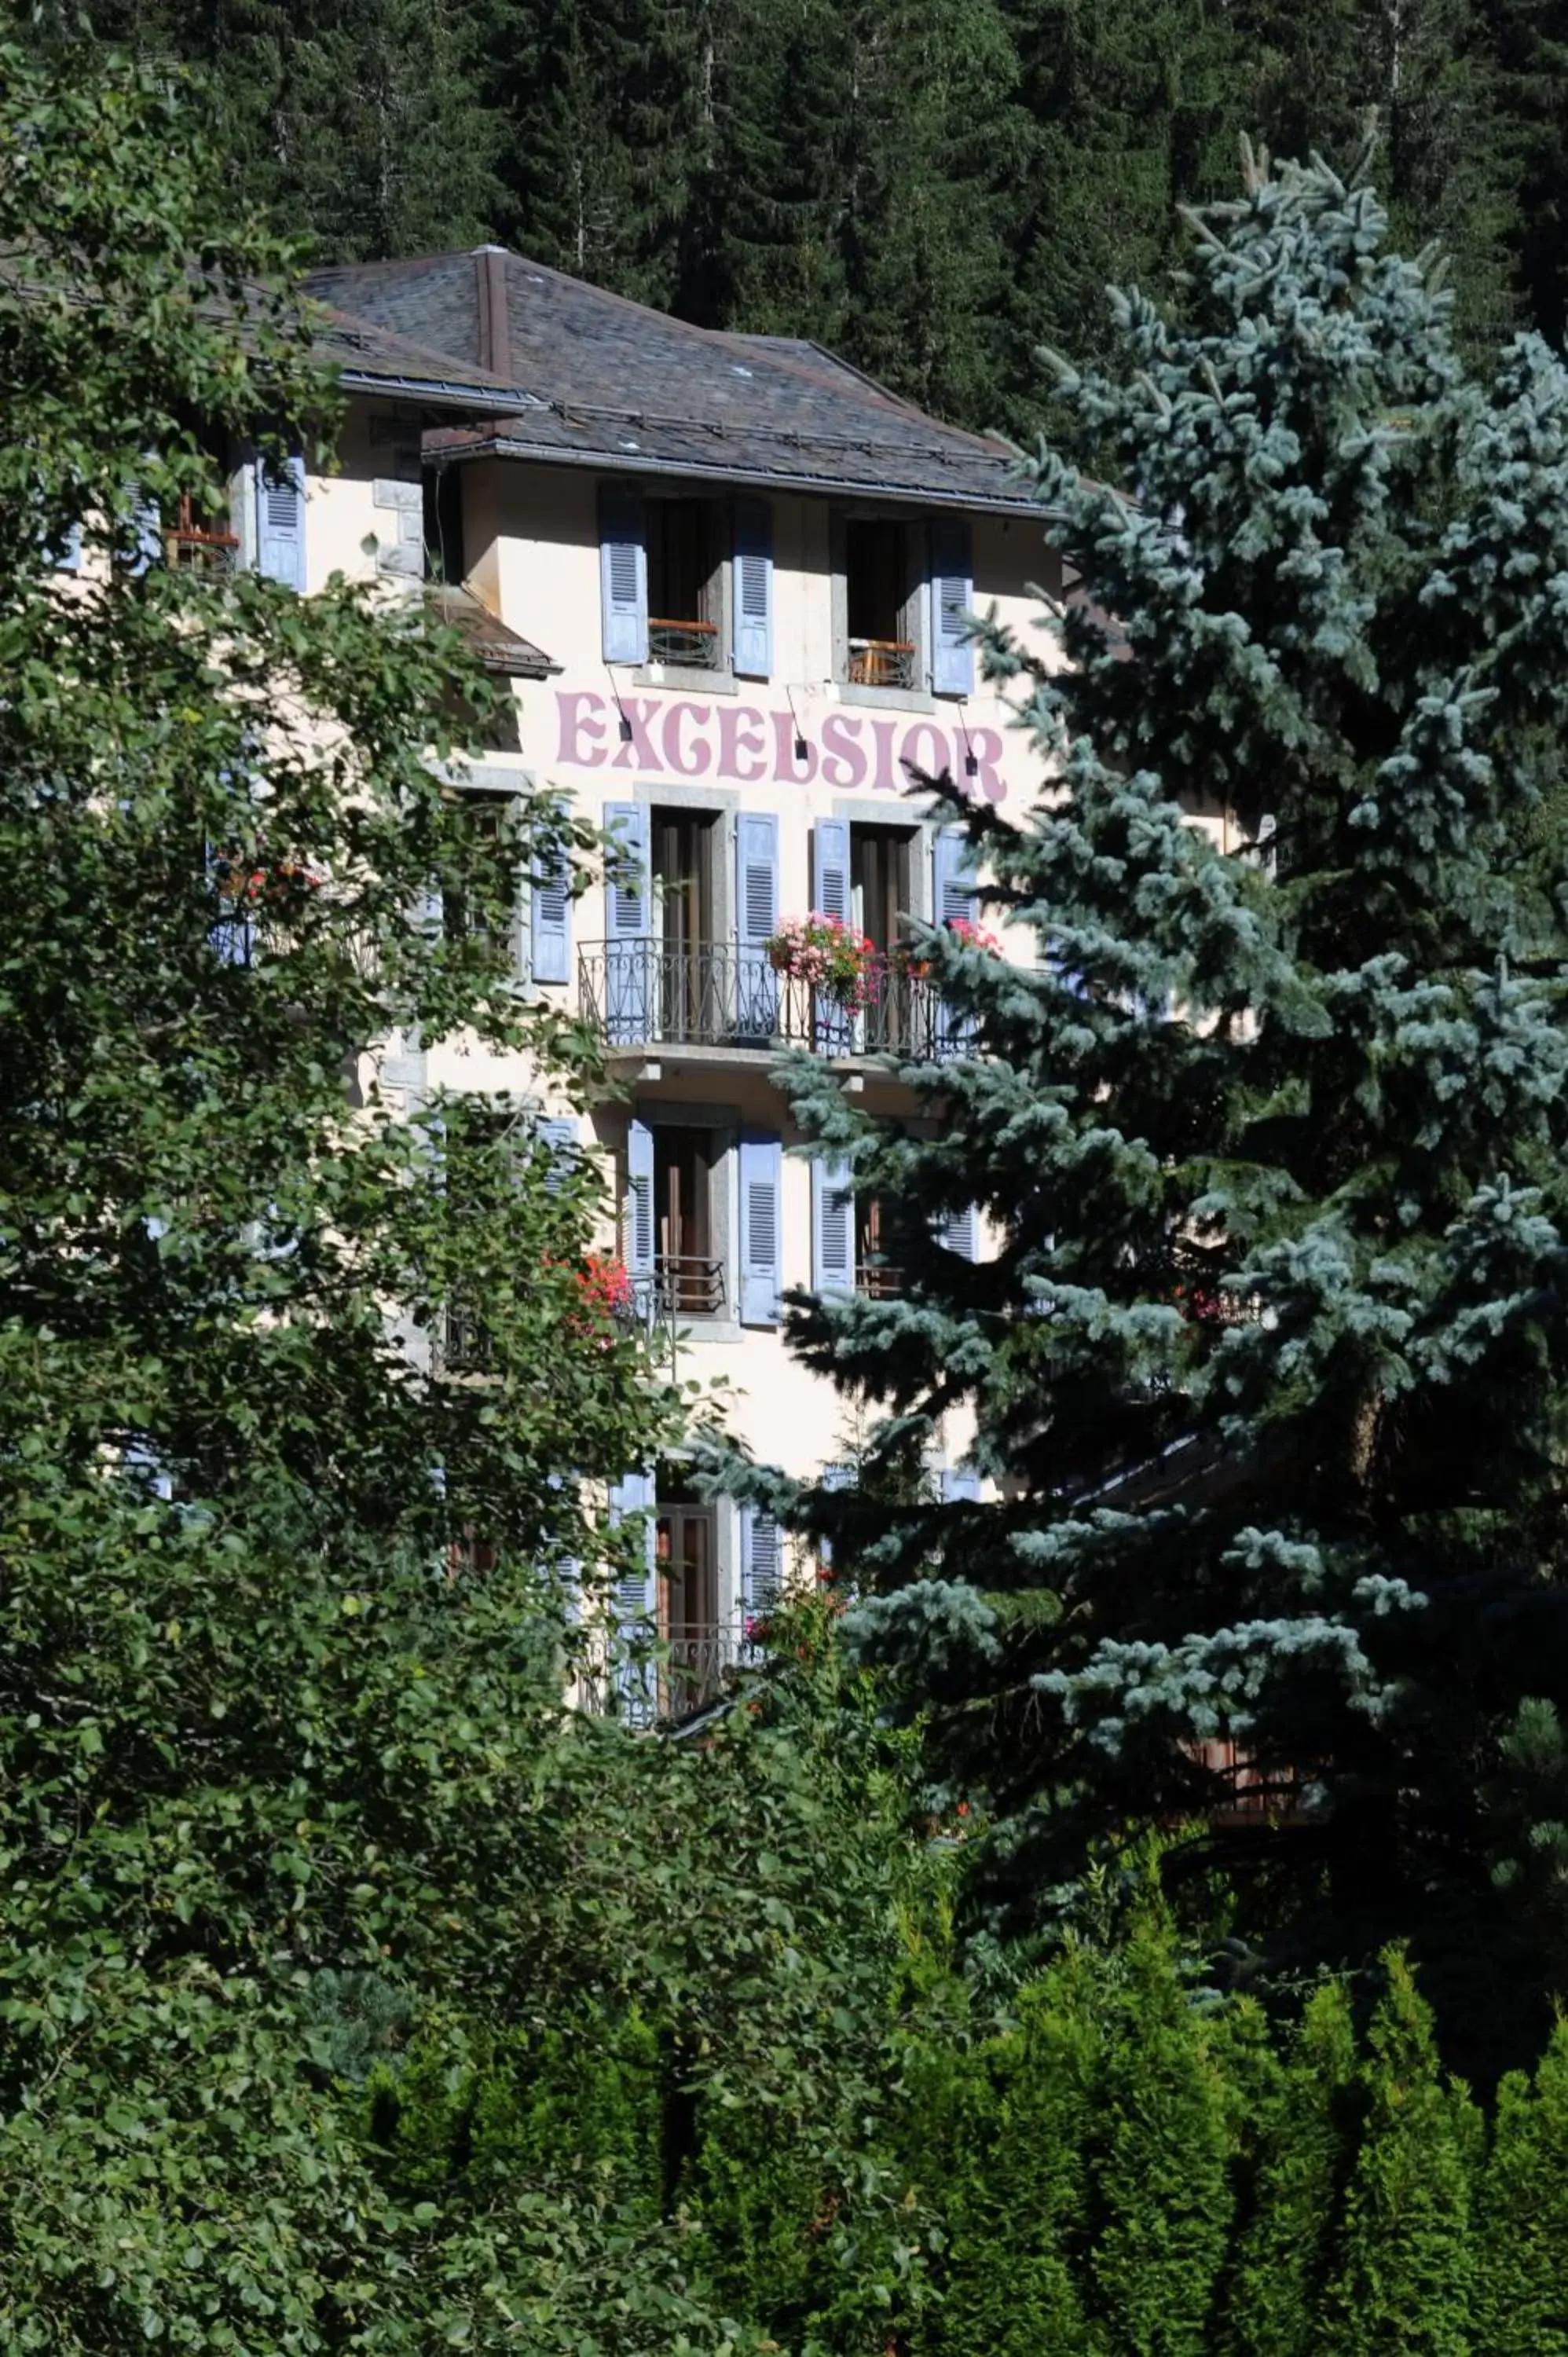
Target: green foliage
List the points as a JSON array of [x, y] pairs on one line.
[[264, 1747], [1521, 2214], [933, 190], [1405, 2283], [1302, 2138], [1271, 1136], [997, 2138], [1164, 2191]]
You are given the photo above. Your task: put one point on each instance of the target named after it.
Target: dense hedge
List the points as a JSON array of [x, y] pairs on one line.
[[1120, 2168]]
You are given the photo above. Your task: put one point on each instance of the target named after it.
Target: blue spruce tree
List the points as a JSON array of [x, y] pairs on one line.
[[1265, 1354]]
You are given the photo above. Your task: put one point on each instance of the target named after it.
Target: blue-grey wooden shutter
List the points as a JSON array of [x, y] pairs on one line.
[[833, 1026], [959, 1231], [550, 921], [628, 947], [639, 1243], [753, 588], [627, 887], [956, 1484], [834, 1478], [953, 880], [429, 912], [280, 522], [830, 868], [952, 896], [757, 917], [147, 1469], [761, 1561], [633, 1494], [559, 1132], [833, 1227], [952, 594], [623, 573], [635, 1679], [147, 527], [761, 1188]]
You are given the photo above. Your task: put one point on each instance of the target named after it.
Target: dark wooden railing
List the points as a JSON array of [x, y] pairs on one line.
[[637, 993]]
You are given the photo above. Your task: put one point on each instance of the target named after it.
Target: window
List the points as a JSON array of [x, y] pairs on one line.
[[683, 848], [882, 879], [685, 1556], [685, 583], [683, 872], [853, 1241], [883, 650], [875, 1274], [443, 525], [670, 1241], [690, 1275], [882, 896], [200, 540], [484, 907]]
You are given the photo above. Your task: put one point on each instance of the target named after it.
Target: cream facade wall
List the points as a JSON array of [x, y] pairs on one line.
[[797, 746]]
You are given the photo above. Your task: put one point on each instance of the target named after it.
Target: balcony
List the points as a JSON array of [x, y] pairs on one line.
[[684, 1670], [637, 994], [681, 1286], [694, 646], [882, 663], [194, 544]]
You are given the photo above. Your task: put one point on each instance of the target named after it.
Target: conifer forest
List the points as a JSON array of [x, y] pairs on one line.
[[939, 186], [1111, 1898]]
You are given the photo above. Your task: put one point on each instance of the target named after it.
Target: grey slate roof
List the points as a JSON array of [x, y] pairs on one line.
[[498, 647], [600, 382], [374, 358]]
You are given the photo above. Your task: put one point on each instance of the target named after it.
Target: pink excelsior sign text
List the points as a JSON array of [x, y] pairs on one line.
[[852, 752]]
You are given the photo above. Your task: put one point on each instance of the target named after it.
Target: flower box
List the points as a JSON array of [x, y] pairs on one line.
[[829, 956]]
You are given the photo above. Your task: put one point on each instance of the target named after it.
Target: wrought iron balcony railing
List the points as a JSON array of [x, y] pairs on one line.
[[639, 994], [684, 1669], [681, 1285]]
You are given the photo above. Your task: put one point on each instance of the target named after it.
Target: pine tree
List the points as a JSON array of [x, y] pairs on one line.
[[1125, 104], [936, 145], [1529, 44], [595, 159], [365, 125], [1271, 1138]]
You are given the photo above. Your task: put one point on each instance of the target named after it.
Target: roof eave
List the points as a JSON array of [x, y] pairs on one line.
[[504, 667], [747, 477], [448, 394]]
